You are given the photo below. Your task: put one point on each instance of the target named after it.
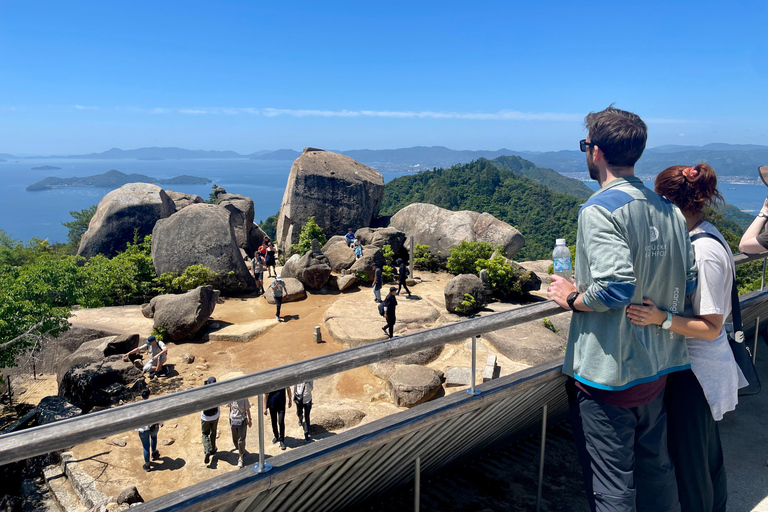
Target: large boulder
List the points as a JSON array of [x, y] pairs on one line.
[[101, 383], [336, 190], [132, 208], [55, 408], [328, 417], [291, 267], [340, 255], [412, 385], [201, 234], [385, 369], [313, 269], [241, 214], [442, 229], [294, 290], [96, 350], [381, 237], [459, 286], [371, 255], [184, 314], [532, 343], [182, 200], [344, 282]]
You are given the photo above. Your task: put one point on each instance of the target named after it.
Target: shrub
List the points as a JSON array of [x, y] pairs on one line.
[[387, 273], [389, 255], [309, 231], [423, 259], [463, 258], [468, 305], [546, 322], [505, 280], [192, 277]]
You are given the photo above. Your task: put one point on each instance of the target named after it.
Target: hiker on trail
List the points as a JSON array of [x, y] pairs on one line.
[[209, 423], [302, 395], [278, 290], [631, 245], [349, 237], [696, 399], [257, 264], [148, 437], [274, 402], [239, 421], [269, 259], [378, 281], [158, 353], [390, 304], [402, 275]]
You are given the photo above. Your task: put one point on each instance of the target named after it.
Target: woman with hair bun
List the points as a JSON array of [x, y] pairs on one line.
[[698, 397]]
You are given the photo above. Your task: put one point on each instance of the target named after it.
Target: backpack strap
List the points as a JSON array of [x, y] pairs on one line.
[[738, 333]]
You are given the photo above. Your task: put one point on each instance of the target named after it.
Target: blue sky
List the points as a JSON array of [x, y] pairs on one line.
[[80, 76]]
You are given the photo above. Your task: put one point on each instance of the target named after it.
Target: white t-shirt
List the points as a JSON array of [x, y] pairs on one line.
[[305, 391], [712, 361]]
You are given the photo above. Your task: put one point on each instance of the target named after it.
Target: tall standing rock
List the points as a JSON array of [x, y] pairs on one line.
[[134, 206], [201, 234], [338, 191], [241, 212]]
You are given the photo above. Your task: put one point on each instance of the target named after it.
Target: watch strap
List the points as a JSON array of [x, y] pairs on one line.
[[666, 324]]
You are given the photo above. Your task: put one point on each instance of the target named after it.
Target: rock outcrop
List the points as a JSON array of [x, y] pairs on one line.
[[182, 200], [184, 314], [241, 212], [385, 369], [381, 237], [340, 255], [371, 255], [345, 282], [96, 350], [458, 287], [443, 229], [412, 385], [329, 417], [101, 383], [132, 207], [294, 290], [313, 269], [336, 190], [55, 408], [201, 234]]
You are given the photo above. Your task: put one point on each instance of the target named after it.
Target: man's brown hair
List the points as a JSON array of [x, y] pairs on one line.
[[619, 134]]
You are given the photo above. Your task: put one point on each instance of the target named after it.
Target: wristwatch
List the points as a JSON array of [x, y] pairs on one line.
[[762, 215], [571, 299], [666, 324]]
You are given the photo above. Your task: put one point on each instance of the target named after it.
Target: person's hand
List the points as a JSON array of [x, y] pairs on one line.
[[265, 412], [125, 357], [647, 314], [764, 209], [250, 423], [290, 404], [558, 290]]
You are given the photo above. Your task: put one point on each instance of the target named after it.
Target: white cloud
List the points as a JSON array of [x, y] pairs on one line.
[[502, 115], [83, 107]]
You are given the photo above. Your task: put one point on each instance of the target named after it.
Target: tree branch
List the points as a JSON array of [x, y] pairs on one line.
[[21, 337]]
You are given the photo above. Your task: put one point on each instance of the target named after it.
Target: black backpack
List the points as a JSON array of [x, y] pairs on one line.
[[381, 308]]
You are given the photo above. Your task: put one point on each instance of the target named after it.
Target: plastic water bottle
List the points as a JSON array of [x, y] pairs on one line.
[[561, 259]]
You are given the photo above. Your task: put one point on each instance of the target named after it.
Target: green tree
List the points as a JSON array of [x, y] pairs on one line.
[[77, 227], [309, 231], [269, 226], [212, 195], [506, 281]]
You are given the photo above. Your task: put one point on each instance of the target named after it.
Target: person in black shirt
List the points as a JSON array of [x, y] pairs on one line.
[[275, 402], [377, 283], [402, 274], [390, 304]]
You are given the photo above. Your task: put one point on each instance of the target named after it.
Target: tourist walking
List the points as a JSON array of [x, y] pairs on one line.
[[269, 260], [378, 281], [274, 402], [696, 399], [239, 421], [148, 437], [631, 244], [209, 424], [402, 275], [158, 353], [390, 304], [257, 264], [302, 395], [278, 290]]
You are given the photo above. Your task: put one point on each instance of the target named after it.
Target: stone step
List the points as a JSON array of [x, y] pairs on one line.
[[38, 496], [63, 493]]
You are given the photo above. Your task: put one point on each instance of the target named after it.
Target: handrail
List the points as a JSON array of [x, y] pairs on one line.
[[69, 432]]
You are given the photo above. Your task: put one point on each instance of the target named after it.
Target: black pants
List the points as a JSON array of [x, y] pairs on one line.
[[623, 454], [278, 423], [278, 303], [694, 445], [302, 411], [390, 327], [402, 284]]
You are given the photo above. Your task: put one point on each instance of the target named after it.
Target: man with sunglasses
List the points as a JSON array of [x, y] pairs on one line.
[[631, 244]]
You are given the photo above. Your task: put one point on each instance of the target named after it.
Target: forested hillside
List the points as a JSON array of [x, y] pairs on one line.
[[553, 180], [540, 214]]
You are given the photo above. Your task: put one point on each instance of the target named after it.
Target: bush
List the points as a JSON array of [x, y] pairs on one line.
[[463, 258], [309, 231], [546, 322], [389, 255], [387, 273], [423, 259], [468, 305], [505, 280], [191, 278]]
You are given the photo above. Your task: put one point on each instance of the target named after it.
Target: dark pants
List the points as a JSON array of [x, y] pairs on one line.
[[209, 435], [694, 445], [623, 454], [402, 284], [278, 423], [238, 436], [149, 442], [302, 411], [390, 327], [278, 303]]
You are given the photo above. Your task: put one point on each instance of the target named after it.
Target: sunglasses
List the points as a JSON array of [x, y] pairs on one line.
[[583, 144]]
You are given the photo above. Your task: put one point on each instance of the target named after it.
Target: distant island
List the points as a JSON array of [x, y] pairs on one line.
[[46, 168], [112, 179]]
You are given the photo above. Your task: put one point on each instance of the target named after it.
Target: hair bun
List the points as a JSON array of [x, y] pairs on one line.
[[690, 173]]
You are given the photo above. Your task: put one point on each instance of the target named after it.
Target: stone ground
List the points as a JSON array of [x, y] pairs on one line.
[[116, 462]]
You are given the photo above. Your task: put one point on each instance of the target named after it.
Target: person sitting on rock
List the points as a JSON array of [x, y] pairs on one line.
[[358, 250], [350, 237], [158, 355]]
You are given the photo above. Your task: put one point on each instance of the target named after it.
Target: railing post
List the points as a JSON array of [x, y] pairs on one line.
[[762, 279], [541, 461], [757, 334], [417, 486], [262, 466], [472, 390]]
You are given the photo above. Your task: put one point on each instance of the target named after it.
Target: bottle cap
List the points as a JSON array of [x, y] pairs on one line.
[[560, 241]]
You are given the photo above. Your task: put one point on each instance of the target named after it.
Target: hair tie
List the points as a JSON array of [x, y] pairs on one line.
[[690, 173]]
